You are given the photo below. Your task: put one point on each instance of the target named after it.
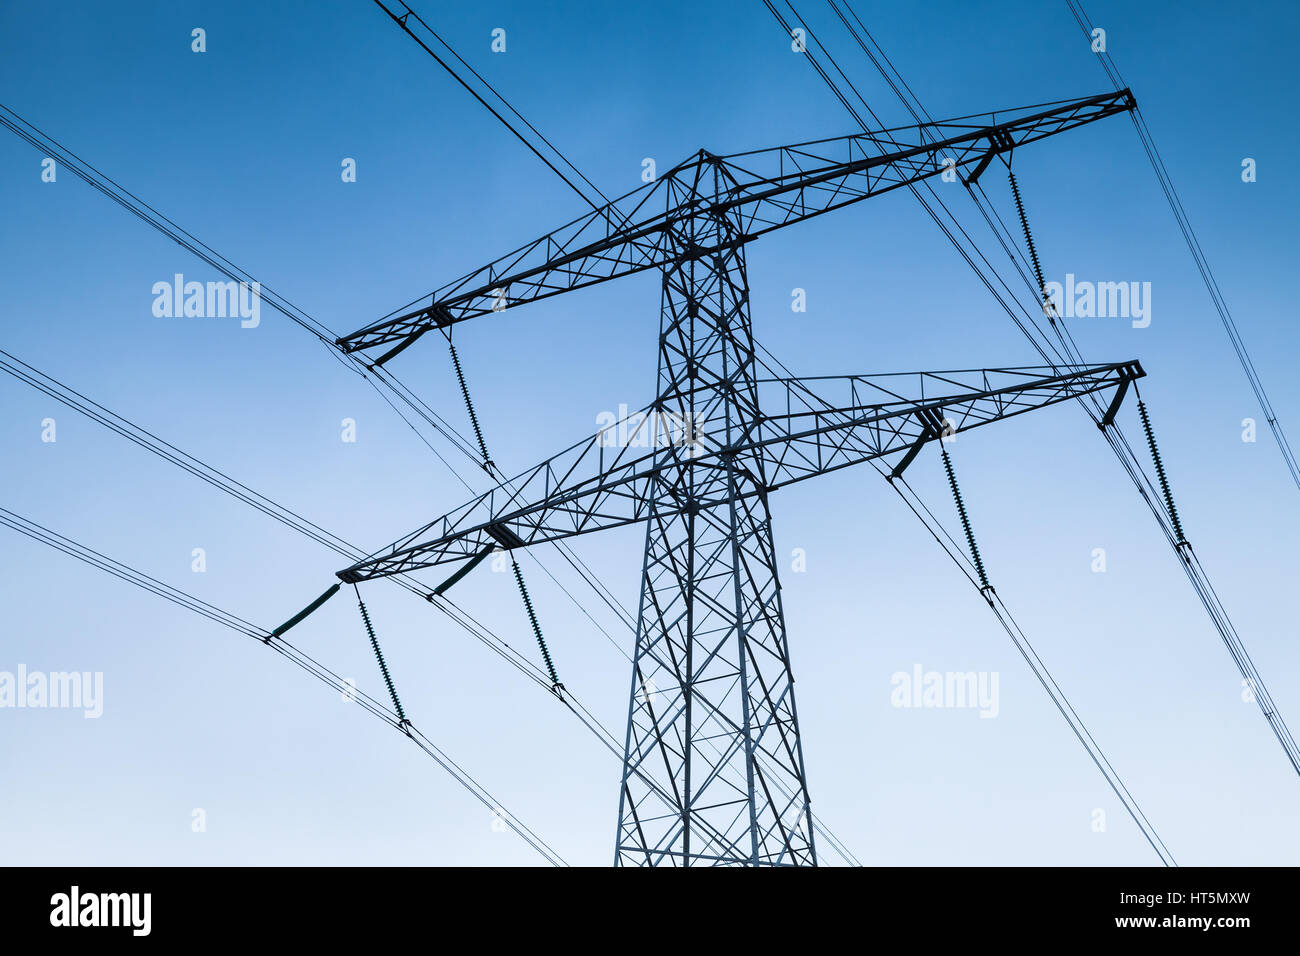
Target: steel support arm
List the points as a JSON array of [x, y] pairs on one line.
[[770, 189], [612, 479]]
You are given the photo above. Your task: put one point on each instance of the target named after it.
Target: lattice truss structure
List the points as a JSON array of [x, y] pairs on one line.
[[713, 766]]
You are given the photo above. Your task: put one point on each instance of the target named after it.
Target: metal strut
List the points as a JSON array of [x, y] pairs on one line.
[[985, 587], [465, 569], [1160, 473], [301, 615], [379, 656]]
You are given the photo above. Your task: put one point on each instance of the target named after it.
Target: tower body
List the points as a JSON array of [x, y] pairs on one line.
[[713, 770]]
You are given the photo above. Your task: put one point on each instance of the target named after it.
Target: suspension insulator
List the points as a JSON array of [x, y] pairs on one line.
[[379, 656], [965, 521], [1029, 238], [469, 407], [537, 628], [1160, 473]]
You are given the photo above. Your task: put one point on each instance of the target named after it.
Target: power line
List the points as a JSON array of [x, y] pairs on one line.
[[411, 14], [124, 572], [1119, 444], [375, 376], [1026, 650], [148, 214], [1018, 639], [1198, 254], [220, 480]]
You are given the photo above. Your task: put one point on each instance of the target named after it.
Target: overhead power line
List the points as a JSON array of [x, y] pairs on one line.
[[489, 92], [124, 572], [148, 214], [1068, 352], [1198, 253], [980, 580]]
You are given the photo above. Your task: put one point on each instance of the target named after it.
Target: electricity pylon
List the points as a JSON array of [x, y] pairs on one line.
[[713, 765]]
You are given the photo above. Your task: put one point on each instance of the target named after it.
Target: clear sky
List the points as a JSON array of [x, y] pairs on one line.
[[242, 145]]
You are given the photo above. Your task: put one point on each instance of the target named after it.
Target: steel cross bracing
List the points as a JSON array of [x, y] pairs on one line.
[[763, 190], [822, 424], [713, 764]]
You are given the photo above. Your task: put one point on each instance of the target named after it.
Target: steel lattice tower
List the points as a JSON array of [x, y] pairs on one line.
[[713, 770]]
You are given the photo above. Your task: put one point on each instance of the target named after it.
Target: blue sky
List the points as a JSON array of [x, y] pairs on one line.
[[242, 145]]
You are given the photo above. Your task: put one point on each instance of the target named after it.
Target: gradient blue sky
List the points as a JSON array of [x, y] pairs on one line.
[[242, 146]]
